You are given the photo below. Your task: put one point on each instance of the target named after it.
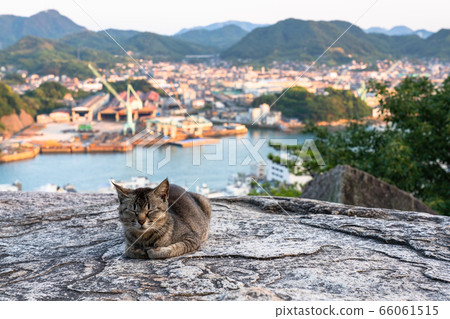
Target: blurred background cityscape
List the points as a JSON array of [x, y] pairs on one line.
[[73, 101]]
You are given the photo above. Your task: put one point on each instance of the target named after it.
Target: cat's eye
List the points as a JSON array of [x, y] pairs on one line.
[[151, 212], [133, 212], [133, 209]]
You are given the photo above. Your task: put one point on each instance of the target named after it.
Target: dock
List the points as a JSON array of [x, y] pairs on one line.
[[195, 142], [19, 153], [187, 135]]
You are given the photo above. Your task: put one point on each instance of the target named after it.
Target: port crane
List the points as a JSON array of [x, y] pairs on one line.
[[130, 106]]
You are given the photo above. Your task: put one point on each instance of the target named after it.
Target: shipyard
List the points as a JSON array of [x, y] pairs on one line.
[[109, 122], [193, 106], [27, 146]]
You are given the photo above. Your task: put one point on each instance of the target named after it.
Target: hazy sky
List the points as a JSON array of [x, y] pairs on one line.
[[169, 16]]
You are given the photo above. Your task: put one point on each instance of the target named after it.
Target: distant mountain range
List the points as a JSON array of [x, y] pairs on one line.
[[70, 55], [294, 39], [246, 26], [45, 56], [400, 30], [46, 24], [51, 43], [219, 39], [139, 43]]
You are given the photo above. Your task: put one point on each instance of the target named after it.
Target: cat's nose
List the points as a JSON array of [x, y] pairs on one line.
[[140, 221]]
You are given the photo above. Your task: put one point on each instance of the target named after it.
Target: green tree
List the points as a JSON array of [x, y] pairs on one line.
[[298, 103], [274, 189], [13, 78], [11, 102], [49, 96], [411, 152]]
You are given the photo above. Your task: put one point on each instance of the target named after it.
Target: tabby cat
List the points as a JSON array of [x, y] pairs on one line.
[[163, 222]]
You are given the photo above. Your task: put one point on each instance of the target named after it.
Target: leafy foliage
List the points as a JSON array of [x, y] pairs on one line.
[[274, 189], [298, 103], [49, 96], [45, 99], [13, 78], [10, 101], [411, 152]]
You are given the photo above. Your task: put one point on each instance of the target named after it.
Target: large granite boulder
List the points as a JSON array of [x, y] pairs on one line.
[[69, 247], [348, 185]]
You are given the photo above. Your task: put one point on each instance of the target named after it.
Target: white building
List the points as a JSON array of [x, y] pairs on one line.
[[198, 103], [188, 96], [272, 118], [265, 86], [263, 115], [60, 116], [88, 110], [219, 105], [43, 119], [280, 173], [254, 114], [259, 170], [90, 85]]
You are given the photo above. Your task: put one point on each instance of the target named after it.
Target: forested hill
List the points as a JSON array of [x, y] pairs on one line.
[[294, 39], [72, 54], [48, 24], [298, 103], [42, 56], [49, 43], [219, 39]]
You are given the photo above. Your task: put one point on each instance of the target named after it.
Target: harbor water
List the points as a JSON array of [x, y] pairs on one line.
[[190, 167]]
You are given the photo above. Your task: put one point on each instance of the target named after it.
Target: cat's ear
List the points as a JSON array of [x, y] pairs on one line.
[[122, 192], [163, 190]]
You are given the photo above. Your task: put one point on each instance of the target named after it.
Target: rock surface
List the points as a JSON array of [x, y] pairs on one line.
[[69, 247], [13, 123], [350, 186]]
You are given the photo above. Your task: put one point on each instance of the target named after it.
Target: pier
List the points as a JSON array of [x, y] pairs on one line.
[[107, 137]]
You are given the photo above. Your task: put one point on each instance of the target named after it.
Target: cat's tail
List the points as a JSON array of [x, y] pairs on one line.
[[203, 203]]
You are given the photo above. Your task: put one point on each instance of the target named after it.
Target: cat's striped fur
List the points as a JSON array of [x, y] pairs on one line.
[[162, 222]]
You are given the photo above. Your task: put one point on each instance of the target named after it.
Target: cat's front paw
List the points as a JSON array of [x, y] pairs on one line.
[[158, 253], [135, 253]]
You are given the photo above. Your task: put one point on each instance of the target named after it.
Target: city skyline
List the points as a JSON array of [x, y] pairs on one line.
[[109, 14]]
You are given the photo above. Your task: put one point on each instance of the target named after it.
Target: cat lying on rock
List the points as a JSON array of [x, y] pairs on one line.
[[163, 222]]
